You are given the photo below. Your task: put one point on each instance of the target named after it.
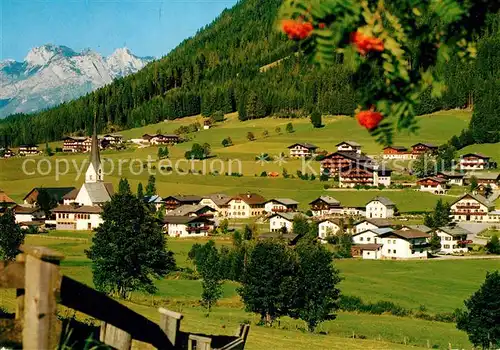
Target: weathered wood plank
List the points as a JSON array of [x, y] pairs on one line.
[[42, 253], [82, 298], [11, 274], [199, 342], [117, 338], [170, 322]]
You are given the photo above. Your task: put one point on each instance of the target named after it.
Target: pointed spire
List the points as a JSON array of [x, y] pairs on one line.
[[94, 172]]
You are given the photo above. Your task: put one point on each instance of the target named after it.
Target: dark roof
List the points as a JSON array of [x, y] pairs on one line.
[[483, 176], [407, 234], [368, 246], [72, 194], [326, 199], [177, 220], [71, 208], [55, 192], [354, 156], [187, 209], [478, 155], [450, 174], [398, 148], [454, 230], [384, 200], [377, 231], [377, 222], [218, 198], [429, 145], [350, 143], [251, 198], [481, 199], [432, 178], [422, 228], [284, 201], [18, 209], [305, 145], [184, 198]]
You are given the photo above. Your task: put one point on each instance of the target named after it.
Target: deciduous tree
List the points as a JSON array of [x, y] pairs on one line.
[[11, 236]]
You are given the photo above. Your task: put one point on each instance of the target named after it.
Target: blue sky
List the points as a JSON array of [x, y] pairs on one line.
[[147, 27]]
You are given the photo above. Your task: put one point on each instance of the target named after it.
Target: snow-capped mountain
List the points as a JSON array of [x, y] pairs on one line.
[[53, 74]]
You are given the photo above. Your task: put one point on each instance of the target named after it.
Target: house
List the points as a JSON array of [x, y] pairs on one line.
[[327, 227], [422, 228], [453, 239], [280, 205], [77, 217], [348, 146], [70, 197], [302, 150], [366, 175], [380, 207], [112, 139], [474, 161], [5, 200], [154, 201], [436, 185], [56, 193], [420, 148], [325, 205], [283, 221], [6, 153], [28, 150], [396, 152], [160, 139], [370, 236], [76, 144], [473, 207], [371, 224], [219, 202], [187, 226], [336, 162], [485, 179], [27, 214], [173, 202], [192, 210], [246, 205], [404, 244], [367, 251], [452, 177]]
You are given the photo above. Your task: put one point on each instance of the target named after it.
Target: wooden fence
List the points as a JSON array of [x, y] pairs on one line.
[[40, 287]]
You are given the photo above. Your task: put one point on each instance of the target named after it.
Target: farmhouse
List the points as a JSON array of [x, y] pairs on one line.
[[27, 214], [325, 205], [453, 239], [396, 152], [302, 150], [281, 205], [474, 161], [370, 236], [380, 207], [160, 139], [6, 153], [349, 146], [282, 222], [219, 202], [192, 210], [484, 179], [173, 202], [77, 217], [112, 139], [371, 224], [76, 144], [473, 207], [329, 227], [436, 185], [246, 206], [5, 200], [420, 148], [28, 150], [452, 177], [404, 244], [187, 226], [336, 162], [367, 175], [56, 193]]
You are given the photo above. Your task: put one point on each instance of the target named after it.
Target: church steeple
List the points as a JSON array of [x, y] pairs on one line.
[[94, 172]]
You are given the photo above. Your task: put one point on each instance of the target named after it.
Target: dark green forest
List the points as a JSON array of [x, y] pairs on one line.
[[219, 70]]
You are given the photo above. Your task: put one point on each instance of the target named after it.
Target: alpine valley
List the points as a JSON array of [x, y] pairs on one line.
[[52, 74]]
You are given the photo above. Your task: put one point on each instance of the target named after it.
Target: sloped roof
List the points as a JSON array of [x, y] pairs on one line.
[[55, 192], [288, 215], [251, 198], [153, 199], [177, 220], [483, 176], [187, 209], [477, 155], [354, 156], [350, 143], [4, 198], [368, 246], [422, 228], [377, 222], [219, 198], [429, 145], [19, 209], [305, 145], [71, 194], [407, 234], [284, 201], [433, 178], [398, 148], [384, 200], [454, 230], [327, 199], [185, 198], [377, 231], [481, 199], [70, 208], [98, 192], [451, 174]]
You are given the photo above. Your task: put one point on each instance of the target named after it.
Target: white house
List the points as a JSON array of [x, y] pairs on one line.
[[349, 146], [192, 210], [217, 201], [325, 205], [76, 217], [453, 239], [187, 226], [368, 251], [246, 206], [302, 150], [380, 207], [371, 224], [280, 205], [282, 220], [404, 244], [436, 185], [27, 214], [328, 227], [473, 207], [452, 177], [370, 236], [474, 161]]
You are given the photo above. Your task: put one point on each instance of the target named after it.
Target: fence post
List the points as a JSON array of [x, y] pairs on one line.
[[115, 337], [42, 283], [170, 323], [20, 293]]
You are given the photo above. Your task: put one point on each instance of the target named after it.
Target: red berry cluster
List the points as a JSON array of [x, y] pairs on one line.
[[296, 30], [369, 119], [365, 44]]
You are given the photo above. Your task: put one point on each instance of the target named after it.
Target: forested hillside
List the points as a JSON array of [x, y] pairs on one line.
[[218, 69]]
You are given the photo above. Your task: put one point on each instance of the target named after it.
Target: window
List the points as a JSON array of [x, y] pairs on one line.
[[361, 239], [368, 239], [447, 238], [446, 246], [394, 251], [393, 241]]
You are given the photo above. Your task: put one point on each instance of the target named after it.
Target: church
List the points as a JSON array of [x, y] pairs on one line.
[[84, 211]]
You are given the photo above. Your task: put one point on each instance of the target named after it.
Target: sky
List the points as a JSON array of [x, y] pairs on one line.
[[146, 27]]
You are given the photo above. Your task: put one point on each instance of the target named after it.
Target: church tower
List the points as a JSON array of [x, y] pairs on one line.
[[94, 172]]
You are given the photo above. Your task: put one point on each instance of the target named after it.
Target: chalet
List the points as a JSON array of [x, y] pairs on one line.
[[192, 210], [281, 205], [370, 236], [436, 185], [487, 178], [417, 227], [420, 148], [329, 227], [173, 202], [246, 205], [371, 224], [5, 200], [6, 153], [474, 161], [27, 214], [396, 152], [404, 244], [56, 194], [325, 205], [77, 217], [154, 201], [187, 226], [160, 139], [380, 207], [367, 244], [366, 175], [453, 239], [473, 207], [283, 221], [28, 150], [336, 162], [219, 202], [302, 150], [452, 177], [348, 146], [76, 144], [112, 139]]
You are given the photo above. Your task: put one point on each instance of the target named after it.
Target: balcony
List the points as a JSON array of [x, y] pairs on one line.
[[461, 212], [419, 245], [468, 206], [198, 229]]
